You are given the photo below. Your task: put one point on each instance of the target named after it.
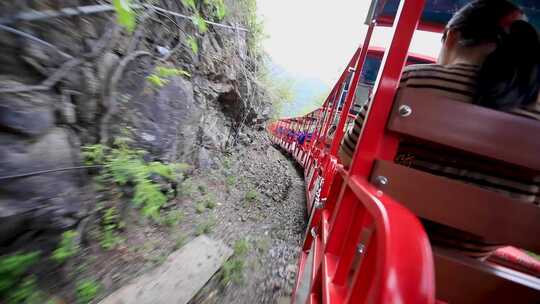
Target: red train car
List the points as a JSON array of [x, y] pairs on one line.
[[364, 242]]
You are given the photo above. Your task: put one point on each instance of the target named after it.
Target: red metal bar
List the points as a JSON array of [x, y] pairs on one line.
[[373, 135], [352, 91], [335, 95], [395, 226]]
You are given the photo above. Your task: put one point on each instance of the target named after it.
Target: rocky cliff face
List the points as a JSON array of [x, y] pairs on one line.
[[69, 81]]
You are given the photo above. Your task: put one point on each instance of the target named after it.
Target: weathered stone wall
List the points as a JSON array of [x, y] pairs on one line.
[[88, 85]]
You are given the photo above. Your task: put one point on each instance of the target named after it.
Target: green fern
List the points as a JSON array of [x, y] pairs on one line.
[[157, 81], [190, 3], [124, 165], [205, 227], [241, 248], [158, 78], [209, 202], [150, 197], [169, 72], [67, 248], [200, 208], [94, 154], [160, 169], [87, 290], [194, 46], [124, 14], [25, 292], [172, 218], [15, 287], [230, 181], [220, 10], [233, 269], [15, 265], [200, 23], [110, 223], [251, 196]]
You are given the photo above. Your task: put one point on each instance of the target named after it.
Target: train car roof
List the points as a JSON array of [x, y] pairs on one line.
[[438, 12]]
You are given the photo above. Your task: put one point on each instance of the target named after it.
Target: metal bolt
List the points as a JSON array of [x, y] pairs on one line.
[[382, 180], [405, 110], [361, 248]]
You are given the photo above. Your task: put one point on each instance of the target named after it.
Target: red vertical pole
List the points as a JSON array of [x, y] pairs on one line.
[[330, 117], [332, 98], [324, 115], [315, 133], [352, 91], [336, 92], [373, 142]]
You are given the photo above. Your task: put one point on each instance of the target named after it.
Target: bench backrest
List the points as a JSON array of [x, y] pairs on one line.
[[483, 132]]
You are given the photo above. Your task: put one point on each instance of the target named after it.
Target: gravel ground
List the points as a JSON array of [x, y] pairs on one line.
[[273, 225], [256, 195]]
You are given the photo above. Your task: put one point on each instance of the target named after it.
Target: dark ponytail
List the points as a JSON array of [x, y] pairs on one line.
[[510, 75]]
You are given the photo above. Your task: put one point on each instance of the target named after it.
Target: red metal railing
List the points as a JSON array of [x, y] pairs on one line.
[[360, 246]]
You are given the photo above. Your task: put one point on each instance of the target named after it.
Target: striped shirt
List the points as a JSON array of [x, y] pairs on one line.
[[456, 82]]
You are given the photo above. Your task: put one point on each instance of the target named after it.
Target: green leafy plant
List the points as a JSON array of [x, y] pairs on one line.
[[193, 45], [233, 269], [230, 181], [251, 196], [110, 225], [67, 248], [227, 163], [157, 81], [124, 165], [241, 247], [200, 208], [15, 285], [173, 218], [169, 72], [158, 78], [199, 23], [202, 189], [125, 15], [209, 202], [26, 292], [255, 26], [94, 154], [190, 3], [219, 8], [205, 227], [187, 188], [87, 290]]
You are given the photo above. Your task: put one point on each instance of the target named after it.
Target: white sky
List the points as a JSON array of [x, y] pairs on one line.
[[316, 38]]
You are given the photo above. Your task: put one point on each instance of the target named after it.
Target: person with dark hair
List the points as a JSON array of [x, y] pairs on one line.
[[490, 57]]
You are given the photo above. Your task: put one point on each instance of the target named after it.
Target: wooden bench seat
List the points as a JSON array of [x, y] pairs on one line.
[[494, 135]]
